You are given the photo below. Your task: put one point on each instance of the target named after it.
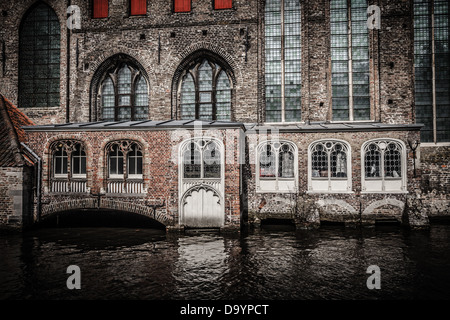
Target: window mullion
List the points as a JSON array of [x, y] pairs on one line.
[[283, 69], [433, 72], [350, 62], [382, 160], [329, 169]]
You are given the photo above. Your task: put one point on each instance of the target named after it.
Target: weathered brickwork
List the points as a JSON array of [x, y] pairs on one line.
[[15, 197], [344, 207], [162, 44], [160, 173], [436, 180]]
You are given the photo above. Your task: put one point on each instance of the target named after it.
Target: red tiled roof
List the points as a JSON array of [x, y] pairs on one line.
[[11, 134]]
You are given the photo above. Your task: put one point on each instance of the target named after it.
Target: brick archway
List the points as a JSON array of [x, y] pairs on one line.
[[55, 207]]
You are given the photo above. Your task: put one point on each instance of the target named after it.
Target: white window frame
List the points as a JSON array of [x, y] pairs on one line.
[[276, 184], [135, 176], [54, 157], [201, 148], [78, 158], [384, 184], [330, 185]]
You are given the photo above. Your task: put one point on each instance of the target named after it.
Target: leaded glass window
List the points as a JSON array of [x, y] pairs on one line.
[[124, 95], [211, 161], [192, 161], [432, 68], [283, 60], [277, 160], [350, 60], [383, 159], [205, 92], [329, 167], [329, 160], [202, 159], [384, 166], [39, 58]]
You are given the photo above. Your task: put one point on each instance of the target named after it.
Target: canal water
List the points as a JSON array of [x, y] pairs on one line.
[[274, 263]]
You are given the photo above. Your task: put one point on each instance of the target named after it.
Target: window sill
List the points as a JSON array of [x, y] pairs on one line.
[[276, 191], [385, 192], [329, 192], [432, 144]]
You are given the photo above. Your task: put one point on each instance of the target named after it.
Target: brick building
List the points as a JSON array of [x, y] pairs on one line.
[[218, 113]]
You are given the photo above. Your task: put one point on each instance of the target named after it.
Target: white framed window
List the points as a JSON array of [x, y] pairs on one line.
[[329, 166], [125, 157], [65, 152], [60, 161], [202, 160], [125, 168], [277, 167], [79, 162], [383, 166], [68, 167]]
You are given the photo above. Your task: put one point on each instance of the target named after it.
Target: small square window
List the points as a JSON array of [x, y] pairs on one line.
[[182, 6], [223, 4]]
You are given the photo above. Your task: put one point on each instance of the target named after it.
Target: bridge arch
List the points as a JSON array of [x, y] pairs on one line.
[[151, 212]]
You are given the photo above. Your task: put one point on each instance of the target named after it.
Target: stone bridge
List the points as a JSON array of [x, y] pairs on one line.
[[151, 211]]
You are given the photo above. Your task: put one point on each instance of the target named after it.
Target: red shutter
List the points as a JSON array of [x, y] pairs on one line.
[[100, 9], [223, 4], [138, 7], [182, 5]]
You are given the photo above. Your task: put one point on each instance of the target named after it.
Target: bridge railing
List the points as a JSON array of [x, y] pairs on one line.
[[66, 186], [128, 186]]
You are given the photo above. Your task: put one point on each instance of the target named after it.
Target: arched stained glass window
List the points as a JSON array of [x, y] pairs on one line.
[[205, 87], [124, 94], [188, 97], [223, 97], [384, 167], [39, 58], [202, 159], [211, 161], [329, 166], [277, 164], [205, 92]]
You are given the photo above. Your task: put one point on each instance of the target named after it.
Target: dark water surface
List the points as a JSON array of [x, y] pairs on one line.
[[273, 264]]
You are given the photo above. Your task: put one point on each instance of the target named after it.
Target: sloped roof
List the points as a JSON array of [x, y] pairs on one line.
[[11, 134]]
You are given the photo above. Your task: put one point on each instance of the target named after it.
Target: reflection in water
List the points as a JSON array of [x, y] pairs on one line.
[[329, 263]]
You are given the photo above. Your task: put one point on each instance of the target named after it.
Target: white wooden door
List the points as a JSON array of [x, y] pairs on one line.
[[202, 208]]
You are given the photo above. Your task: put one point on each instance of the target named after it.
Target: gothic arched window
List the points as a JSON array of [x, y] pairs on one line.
[[125, 167], [69, 167], [277, 166], [202, 159], [124, 94], [329, 166], [39, 58], [384, 167], [205, 92]]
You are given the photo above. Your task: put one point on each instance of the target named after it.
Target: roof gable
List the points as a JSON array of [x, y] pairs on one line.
[[11, 134]]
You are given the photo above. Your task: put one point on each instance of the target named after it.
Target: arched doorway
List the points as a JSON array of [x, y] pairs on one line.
[[202, 183]]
